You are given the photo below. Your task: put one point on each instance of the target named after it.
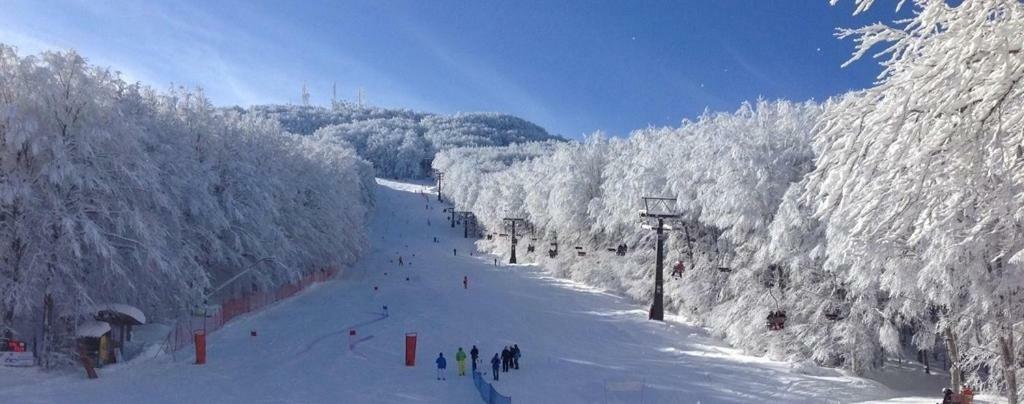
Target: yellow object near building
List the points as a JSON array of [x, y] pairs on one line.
[[104, 349]]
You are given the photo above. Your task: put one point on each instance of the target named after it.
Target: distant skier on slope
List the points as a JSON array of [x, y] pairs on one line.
[[455, 252], [460, 358], [515, 356], [494, 366], [442, 364], [400, 262], [474, 354], [465, 282], [506, 358]]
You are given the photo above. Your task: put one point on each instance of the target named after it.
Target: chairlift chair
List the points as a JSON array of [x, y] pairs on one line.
[[834, 310], [776, 320]]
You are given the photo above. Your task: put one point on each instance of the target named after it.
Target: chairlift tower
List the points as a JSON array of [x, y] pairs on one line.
[[655, 213], [512, 222], [438, 174], [451, 212], [466, 217]]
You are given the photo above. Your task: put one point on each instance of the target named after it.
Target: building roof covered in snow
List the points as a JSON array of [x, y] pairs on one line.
[[119, 313], [92, 329]]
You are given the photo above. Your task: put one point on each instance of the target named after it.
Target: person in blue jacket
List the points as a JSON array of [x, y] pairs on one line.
[[495, 362], [441, 366]]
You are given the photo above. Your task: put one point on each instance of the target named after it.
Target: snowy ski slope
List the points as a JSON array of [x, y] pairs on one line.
[[580, 345]]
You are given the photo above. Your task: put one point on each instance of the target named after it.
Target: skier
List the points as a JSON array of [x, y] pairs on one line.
[[385, 311], [515, 356], [441, 365], [494, 366], [455, 252], [465, 282], [400, 260], [677, 269], [474, 354], [460, 358], [495, 262], [947, 396], [967, 395], [506, 357]]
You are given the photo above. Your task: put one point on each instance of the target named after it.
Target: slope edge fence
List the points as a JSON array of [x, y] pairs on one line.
[[215, 317], [487, 391]]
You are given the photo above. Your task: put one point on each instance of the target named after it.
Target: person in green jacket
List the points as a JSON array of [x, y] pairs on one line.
[[460, 358]]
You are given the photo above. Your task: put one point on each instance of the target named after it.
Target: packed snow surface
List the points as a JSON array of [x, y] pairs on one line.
[[579, 344]]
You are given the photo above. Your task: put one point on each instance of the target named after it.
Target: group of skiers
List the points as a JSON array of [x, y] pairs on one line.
[[507, 359]]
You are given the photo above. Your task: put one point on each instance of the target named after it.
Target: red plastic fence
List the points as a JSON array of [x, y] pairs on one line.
[[181, 336]]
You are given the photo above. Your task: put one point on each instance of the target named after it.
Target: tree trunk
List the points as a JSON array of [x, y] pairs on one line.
[[1007, 352], [954, 360], [47, 330]]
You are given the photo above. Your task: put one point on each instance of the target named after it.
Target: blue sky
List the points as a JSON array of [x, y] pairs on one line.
[[572, 67]]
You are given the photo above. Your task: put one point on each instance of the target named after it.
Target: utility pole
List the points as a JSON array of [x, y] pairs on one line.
[[466, 216], [438, 174], [513, 221], [656, 211]]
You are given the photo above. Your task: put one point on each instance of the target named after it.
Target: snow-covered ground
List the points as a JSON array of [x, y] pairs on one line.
[[580, 345]]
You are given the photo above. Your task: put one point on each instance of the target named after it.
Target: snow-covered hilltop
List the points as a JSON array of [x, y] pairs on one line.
[[402, 143]]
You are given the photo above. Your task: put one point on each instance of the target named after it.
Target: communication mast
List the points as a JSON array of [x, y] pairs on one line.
[[334, 95]]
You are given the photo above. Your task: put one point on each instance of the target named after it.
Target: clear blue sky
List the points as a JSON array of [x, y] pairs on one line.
[[572, 67]]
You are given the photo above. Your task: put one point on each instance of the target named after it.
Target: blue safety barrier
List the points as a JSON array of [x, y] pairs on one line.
[[487, 391]]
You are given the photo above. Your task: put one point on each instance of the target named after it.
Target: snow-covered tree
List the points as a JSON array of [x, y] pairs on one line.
[[918, 178], [113, 192]]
